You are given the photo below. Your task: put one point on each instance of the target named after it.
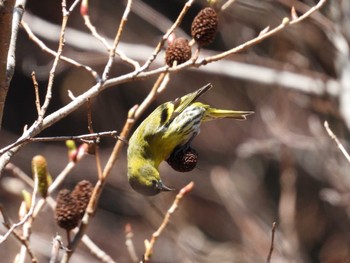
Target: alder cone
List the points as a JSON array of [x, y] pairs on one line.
[[179, 51], [183, 161], [66, 213], [82, 193], [204, 26]]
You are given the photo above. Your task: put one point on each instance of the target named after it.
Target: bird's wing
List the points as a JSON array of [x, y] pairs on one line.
[[160, 119], [172, 109]]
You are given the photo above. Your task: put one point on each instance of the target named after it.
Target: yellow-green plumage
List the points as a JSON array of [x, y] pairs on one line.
[[171, 125]]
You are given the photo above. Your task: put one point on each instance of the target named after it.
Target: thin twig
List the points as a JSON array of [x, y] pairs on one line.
[[158, 87], [150, 244], [101, 255], [81, 138], [84, 10], [45, 48], [273, 229], [155, 18], [55, 64], [36, 89], [309, 12], [98, 163], [60, 178], [335, 138], [23, 241], [164, 38], [285, 22], [116, 41], [26, 231], [27, 216], [72, 7], [89, 116]]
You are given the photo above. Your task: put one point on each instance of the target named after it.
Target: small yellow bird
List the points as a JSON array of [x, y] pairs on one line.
[[171, 125]]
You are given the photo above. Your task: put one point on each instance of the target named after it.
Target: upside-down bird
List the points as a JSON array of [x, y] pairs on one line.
[[170, 126]]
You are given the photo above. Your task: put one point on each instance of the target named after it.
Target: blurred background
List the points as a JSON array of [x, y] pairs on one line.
[[279, 165]]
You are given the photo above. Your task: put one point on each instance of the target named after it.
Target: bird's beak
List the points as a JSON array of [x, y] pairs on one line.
[[163, 187]]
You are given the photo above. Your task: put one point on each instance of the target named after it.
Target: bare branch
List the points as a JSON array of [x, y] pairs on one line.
[[84, 10], [116, 41], [138, 74], [22, 240], [150, 244], [42, 45]]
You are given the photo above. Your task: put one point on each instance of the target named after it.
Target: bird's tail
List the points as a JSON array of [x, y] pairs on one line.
[[212, 114]]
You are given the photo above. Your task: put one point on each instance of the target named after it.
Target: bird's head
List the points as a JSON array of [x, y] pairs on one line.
[[146, 180]]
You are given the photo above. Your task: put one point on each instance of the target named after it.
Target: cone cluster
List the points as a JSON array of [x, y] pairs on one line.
[[71, 206], [203, 31]]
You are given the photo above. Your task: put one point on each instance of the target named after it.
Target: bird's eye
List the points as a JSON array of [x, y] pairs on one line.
[[154, 182]]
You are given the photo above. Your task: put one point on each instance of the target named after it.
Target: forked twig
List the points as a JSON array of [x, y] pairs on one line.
[[84, 10], [285, 22], [22, 240], [38, 125], [45, 48]]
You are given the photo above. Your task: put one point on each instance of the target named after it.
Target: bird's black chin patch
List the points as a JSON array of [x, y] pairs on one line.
[[143, 189]]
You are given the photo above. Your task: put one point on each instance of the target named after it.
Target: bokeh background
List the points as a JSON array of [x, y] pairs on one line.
[[279, 166]]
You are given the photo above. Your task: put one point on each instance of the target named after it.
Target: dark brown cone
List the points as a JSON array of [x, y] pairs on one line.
[[183, 161], [66, 214], [82, 193], [204, 26], [179, 51]]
